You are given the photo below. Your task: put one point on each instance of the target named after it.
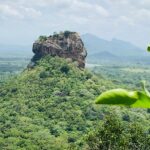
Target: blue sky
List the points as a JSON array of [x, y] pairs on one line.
[[22, 21]]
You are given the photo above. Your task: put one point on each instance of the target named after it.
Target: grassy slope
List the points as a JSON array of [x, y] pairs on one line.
[[52, 106]]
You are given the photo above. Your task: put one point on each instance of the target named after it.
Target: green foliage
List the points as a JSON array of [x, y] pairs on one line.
[[9, 67], [148, 48], [126, 98], [64, 69], [66, 33], [44, 74], [124, 76], [48, 107], [116, 135], [42, 38], [117, 97], [44, 104]]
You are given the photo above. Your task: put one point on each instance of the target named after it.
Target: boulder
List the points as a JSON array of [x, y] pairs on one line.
[[65, 44]]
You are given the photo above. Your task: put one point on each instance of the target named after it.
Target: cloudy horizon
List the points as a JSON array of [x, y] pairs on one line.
[[22, 21]]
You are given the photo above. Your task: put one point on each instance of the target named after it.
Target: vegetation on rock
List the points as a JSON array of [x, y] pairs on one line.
[[42, 38], [65, 44]]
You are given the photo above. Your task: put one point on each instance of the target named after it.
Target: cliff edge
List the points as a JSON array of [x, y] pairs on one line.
[[65, 44]]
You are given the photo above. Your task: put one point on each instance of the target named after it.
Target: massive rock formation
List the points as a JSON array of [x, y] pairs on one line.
[[65, 44]]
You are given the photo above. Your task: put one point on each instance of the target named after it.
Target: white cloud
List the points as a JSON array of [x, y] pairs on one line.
[[24, 9], [31, 12], [8, 11], [87, 8], [14, 10], [143, 14], [79, 12], [135, 12], [108, 18], [126, 20]]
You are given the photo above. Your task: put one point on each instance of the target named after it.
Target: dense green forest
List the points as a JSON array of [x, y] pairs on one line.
[[129, 76], [11, 66], [51, 106]]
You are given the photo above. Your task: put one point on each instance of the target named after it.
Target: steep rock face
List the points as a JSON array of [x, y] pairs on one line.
[[66, 44]]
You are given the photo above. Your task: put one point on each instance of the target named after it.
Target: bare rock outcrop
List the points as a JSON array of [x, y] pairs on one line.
[[65, 44]]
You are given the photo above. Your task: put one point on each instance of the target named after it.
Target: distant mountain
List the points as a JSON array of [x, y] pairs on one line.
[[116, 47], [103, 55]]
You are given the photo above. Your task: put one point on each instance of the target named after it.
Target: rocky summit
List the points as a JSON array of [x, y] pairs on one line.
[[65, 44]]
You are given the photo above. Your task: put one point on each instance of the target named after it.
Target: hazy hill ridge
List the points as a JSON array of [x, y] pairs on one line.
[[116, 47]]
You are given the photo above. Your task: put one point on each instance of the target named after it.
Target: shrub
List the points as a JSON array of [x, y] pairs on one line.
[[44, 74], [66, 33], [64, 69], [42, 38], [114, 134]]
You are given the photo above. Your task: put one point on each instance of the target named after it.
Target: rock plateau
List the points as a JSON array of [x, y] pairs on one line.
[[65, 44]]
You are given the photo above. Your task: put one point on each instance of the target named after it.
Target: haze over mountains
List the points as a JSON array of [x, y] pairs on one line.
[[116, 47], [99, 50], [104, 51]]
